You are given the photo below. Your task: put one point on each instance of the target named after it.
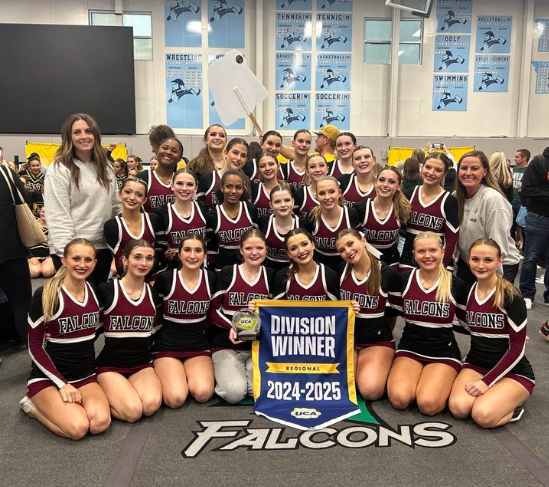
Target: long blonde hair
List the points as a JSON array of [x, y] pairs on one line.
[[314, 214], [498, 166], [310, 157], [504, 289], [444, 289], [50, 296], [400, 202]]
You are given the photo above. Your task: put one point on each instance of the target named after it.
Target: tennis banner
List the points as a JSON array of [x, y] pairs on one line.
[[304, 364]]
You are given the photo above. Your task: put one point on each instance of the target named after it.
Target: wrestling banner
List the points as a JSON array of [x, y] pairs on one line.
[[303, 363]]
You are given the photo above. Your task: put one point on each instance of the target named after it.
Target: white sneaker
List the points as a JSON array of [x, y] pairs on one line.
[[540, 279], [528, 303], [27, 406]]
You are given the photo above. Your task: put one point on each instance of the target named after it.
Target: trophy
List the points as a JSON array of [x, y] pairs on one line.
[[246, 324]]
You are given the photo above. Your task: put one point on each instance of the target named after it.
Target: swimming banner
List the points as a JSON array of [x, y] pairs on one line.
[[304, 364]]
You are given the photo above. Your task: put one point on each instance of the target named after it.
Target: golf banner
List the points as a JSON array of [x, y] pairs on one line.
[[304, 364]]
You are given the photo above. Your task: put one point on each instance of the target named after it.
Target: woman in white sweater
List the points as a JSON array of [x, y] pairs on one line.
[[80, 192], [484, 212]]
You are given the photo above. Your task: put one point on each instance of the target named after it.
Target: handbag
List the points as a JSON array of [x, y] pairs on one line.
[[30, 231]]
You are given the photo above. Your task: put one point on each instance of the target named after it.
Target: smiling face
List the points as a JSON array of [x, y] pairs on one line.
[[328, 194], [484, 261], [363, 161], [317, 168], [82, 137], [80, 261], [232, 189], [273, 144], [216, 138], [428, 253], [282, 203], [192, 254], [140, 261], [302, 143], [471, 173], [132, 195], [34, 167], [235, 157], [344, 146], [169, 153], [350, 248], [300, 249], [253, 251], [433, 172], [184, 187], [387, 184], [268, 168]]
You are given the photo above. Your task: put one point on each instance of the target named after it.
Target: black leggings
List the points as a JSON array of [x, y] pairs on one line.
[[102, 268], [15, 281]]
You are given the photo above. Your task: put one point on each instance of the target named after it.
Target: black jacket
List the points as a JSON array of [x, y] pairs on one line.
[[535, 185]]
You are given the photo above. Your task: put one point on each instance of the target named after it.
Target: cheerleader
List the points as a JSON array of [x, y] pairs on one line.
[[210, 158], [383, 215], [185, 216], [228, 221], [359, 185], [237, 285], [63, 393], [181, 352], [496, 377], [428, 358], [432, 210], [345, 144], [159, 181], [135, 163], [124, 366], [316, 168], [277, 225], [132, 223], [294, 171], [268, 169], [370, 285], [34, 177], [330, 217], [41, 264], [271, 142], [120, 171], [304, 279], [234, 160]]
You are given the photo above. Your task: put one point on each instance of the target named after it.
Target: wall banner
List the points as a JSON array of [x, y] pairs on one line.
[[294, 4], [493, 34], [183, 23], [450, 92], [542, 80], [294, 31], [333, 72], [452, 53], [491, 73], [303, 363], [292, 110], [334, 5], [334, 32], [543, 28], [332, 109], [454, 16], [226, 23], [184, 90], [293, 71]]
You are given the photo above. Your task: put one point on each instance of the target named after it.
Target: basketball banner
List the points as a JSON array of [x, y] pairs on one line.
[[304, 364]]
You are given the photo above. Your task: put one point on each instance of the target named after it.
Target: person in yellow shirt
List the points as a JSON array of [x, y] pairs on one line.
[[325, 144]]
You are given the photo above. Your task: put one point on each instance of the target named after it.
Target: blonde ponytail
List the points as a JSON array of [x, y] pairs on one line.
[[50, 296]]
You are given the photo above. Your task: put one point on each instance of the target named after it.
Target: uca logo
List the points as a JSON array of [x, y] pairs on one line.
[[305, 413]]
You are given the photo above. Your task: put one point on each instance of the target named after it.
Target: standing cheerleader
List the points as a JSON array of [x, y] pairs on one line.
[[268, 169], [135, 163], [159, 181], [120, 171], [359, 185], [383, 215], [496, 376], [210, 158], [41, 264], [276, 226], [304, 279], [237, 285], [34, 177], [228, 220], [184, 217], [63, 393], [432, 210], [428, 358], [345, 144], [132, 223], [124, 366], [330, 217], [182, 356], [371, 285], [234, 160], [295, 170], [271, 142], [316, 168]]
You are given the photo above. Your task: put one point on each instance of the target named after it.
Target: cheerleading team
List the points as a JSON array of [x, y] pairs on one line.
[[371, 285], [316, 168], [496, 378], [63, 393], [428, 358], [181, 351], [124, 366], [345, 144], [237, 286], [358, 185]]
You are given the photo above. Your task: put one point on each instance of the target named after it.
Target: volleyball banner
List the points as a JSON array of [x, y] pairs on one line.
[[304, 364]]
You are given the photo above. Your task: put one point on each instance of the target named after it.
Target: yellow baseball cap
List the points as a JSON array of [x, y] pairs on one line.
[[330, 131]]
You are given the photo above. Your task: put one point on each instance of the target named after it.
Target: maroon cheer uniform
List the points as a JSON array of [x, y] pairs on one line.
[[128, 326], [439, 216], [68, 357], [158, 193], [292, 175], [323, 287], [175, 227], [250, 170], [233, 294], [428, 335], [261, 199], [207, 188], [498, 340], [351, 190], [184, 314], [277, 255], [336, 171], [304, 200]]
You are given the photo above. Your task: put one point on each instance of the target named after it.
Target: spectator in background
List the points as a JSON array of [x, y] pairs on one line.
[[411, 174], [498, 166], [153, 163], [121, 172], [535, 196], [135, 162], [522, 156]]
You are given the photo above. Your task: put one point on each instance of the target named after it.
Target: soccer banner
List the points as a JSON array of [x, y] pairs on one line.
[[303, 363]]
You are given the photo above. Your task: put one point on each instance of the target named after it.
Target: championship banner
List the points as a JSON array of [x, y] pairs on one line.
[[304, 363]]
